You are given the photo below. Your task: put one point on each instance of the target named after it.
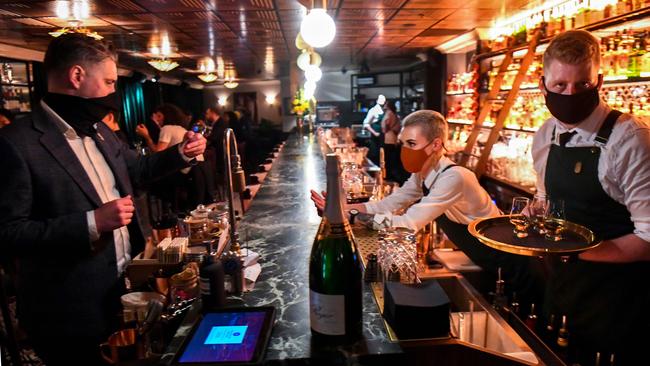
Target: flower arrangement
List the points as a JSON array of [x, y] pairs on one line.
[[300, 104]]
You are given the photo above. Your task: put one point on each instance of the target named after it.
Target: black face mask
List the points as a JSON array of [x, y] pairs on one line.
[[571, 109], [82, 113]]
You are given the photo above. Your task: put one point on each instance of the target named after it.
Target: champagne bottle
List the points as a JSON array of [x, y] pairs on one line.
[[334, 269]]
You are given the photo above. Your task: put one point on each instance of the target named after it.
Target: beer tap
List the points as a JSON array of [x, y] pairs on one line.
[[236, 181]]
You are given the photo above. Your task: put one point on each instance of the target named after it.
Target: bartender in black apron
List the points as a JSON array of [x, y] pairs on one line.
[[607, 304], [439, 190]]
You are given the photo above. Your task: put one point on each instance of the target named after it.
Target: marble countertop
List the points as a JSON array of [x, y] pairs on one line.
[[281, 225]]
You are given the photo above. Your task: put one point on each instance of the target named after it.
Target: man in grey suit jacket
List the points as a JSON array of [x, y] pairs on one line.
[[66, 213]]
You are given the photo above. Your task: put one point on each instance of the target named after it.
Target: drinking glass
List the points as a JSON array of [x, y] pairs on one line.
[[519, 216], [554, 220], [537, 210]]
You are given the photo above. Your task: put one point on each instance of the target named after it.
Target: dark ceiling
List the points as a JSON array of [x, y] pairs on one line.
[[257, 35]]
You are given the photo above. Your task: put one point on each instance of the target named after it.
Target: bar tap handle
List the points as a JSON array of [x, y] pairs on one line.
[[228, 141], [238, 175]]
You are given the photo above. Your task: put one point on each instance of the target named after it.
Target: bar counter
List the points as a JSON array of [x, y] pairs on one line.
[[281, 225]]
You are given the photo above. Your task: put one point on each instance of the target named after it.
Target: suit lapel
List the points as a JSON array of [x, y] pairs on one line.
[[54, 141]]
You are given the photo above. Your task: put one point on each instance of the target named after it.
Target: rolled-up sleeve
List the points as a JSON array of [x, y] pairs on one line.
[[447, 191], [632, 167], [403, 196]]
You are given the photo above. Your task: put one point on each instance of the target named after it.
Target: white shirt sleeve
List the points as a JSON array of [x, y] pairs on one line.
[[403, 196], [92, 226], [631, 165], [539, 151], [447, 191], [165, 134], [372, 114]]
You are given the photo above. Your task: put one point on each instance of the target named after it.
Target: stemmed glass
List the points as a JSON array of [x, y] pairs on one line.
[[518, 216], [554, 220]]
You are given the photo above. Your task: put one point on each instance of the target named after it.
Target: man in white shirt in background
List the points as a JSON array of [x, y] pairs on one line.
[[451, 195], [597, 161], [372, 123]]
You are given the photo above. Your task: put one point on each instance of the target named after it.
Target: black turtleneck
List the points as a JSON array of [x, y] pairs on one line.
[[81, 113]]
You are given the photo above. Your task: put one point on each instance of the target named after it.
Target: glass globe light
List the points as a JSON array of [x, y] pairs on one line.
[[318, 28], [307, 58], [313, 73], [310, 89]]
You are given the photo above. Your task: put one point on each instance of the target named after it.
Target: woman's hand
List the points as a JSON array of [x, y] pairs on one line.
[[141, 130], [319, 201]]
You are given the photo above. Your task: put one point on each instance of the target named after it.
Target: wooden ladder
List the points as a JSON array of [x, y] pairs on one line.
[[481, 166]]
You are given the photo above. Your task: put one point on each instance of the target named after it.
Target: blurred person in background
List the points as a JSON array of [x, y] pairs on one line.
[[372, 123], [6, 117], [390, 127], [174, 189], [173, 126]]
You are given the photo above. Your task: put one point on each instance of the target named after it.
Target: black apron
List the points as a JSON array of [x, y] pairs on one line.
[[606, 305], [376, 142], [515, 269]]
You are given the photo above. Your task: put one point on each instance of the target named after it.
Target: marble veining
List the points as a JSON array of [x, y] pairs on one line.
[[281, 225]]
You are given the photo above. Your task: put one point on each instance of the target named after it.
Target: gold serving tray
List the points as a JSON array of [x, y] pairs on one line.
[[497, 232]]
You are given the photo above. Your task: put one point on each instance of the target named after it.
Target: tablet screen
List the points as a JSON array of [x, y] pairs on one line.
[[225, 337]]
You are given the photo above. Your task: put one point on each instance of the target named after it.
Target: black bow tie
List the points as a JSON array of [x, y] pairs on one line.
[[565, 137]]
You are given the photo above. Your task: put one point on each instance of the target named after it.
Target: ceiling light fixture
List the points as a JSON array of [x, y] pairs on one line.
[[208, 78], [309, 89], [318, 28], [163, 64], [308, 58], [313, 73], [80, 30], [230, 83], [205, 65], [74, 12]]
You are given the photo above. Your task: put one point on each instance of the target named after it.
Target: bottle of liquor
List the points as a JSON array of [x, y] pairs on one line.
[[334, 269], [531, 320]]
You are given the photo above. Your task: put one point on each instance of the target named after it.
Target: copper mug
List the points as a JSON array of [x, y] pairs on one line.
[[122, 346]]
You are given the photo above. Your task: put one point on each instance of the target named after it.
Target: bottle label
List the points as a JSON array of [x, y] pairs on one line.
[[204, 284], [327, 313], [337, 230]]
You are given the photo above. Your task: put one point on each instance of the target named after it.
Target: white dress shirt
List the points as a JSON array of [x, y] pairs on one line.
[[455, 193], [373, 115], [623, 166], [103, 180]]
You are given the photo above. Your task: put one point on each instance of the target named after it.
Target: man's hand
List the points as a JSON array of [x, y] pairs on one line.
[[194, 144], [114, 214]]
